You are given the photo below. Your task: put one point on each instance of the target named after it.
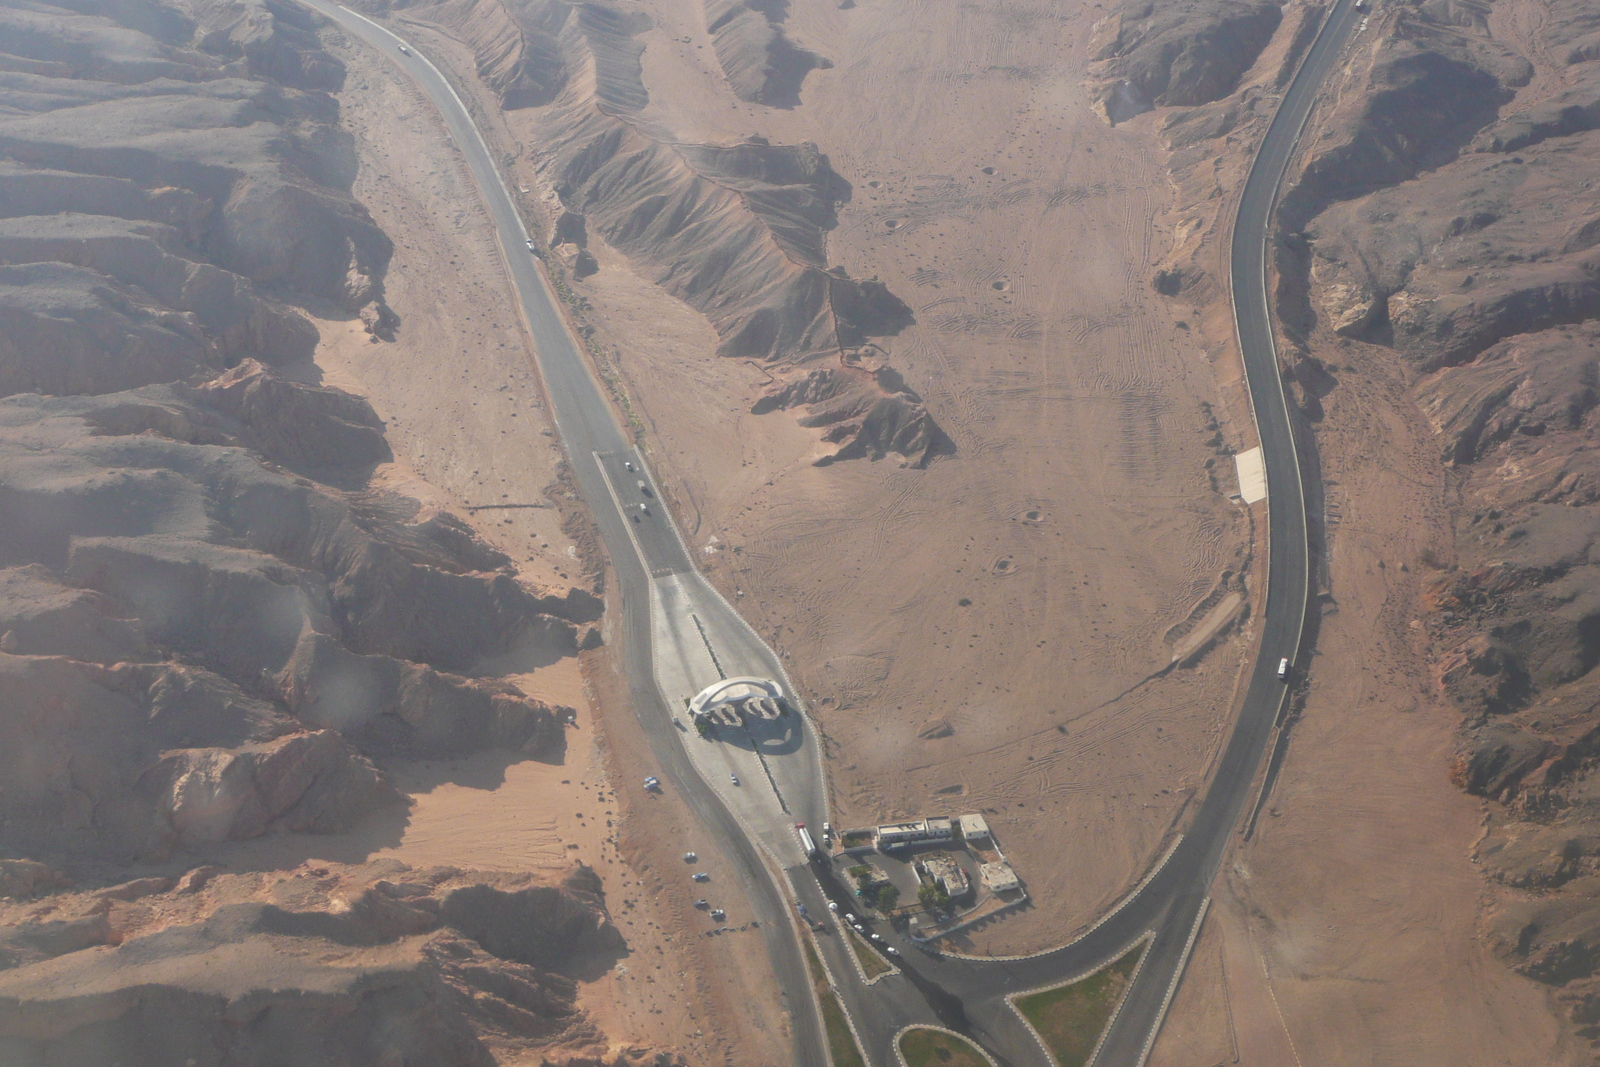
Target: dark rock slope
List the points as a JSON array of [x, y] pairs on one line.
[[736, 231], [324, 965], [1448, 212], [211, 623]]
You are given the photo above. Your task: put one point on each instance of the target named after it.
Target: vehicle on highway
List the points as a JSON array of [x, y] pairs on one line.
[[734, 778], [404, 50], [876, 937], [644, 509], [827, 832], [1283, 668], [833, 906], [628, 464], [805, 839], [701, 876], [645, 489], [891, 950], [530, 246]]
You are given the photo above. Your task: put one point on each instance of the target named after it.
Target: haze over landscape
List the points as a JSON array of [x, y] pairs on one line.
[[529, 529]]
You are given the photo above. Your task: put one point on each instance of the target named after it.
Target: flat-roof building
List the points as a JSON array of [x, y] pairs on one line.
[[999, 877], [940, 829], [973, 827], [902, 833]]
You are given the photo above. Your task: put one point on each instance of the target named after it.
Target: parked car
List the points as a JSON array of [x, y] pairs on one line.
[[735, 778], [718, 914], [701, 876], [702, 903], [690, 857]]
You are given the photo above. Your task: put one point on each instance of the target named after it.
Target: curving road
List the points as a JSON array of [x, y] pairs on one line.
[[781, 775]]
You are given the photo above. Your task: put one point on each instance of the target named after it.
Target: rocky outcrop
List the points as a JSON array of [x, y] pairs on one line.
[[300, 426], [1446, 212], [327, 965], [161, 168], [736, 231], [867, 413], [760, 62], [1163, 53]]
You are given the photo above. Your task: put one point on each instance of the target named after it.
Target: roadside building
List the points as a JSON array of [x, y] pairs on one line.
[[974, 828], [895, 834], [942, 869], [999, 877], [940, 829]]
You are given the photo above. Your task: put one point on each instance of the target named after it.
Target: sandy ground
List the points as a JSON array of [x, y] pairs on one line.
[[1348, 925], [1078, 517]]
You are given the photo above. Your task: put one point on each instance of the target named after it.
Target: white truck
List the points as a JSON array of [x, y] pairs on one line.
[[805, 839]]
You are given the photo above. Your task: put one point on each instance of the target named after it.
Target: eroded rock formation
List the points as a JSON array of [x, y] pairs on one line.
[[449, 967], [736, 231], [212, 623]]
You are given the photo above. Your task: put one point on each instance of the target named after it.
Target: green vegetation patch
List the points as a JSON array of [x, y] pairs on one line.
[[841, 1042], [935, 1048], [872, 963], [1071, 1017]]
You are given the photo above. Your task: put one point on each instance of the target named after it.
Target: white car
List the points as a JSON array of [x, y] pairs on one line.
[[891, 950], [404, 50], [833, 906], [530, 246]]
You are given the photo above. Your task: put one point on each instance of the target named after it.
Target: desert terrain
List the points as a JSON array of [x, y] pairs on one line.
[[921, 312], [980, 612], [943, 477], [1421, 863]]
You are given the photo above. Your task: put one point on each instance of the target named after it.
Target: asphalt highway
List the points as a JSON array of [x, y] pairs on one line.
[[966, 994]]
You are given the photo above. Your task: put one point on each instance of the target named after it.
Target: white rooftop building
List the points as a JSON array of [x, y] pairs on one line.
[[999, 877], [973, 827]]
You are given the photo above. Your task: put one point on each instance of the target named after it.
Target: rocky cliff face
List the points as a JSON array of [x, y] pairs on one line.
[[736, 231], [212, 623], [442, 966], [1178, 53], [1446, 211]]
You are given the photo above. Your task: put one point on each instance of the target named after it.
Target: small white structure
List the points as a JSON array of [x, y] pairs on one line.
[[999, 877], [974, 828], [940, 829]]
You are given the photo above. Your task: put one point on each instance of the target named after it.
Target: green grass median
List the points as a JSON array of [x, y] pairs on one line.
[[935, 1048], [1070, 1018], [841, 1041]]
